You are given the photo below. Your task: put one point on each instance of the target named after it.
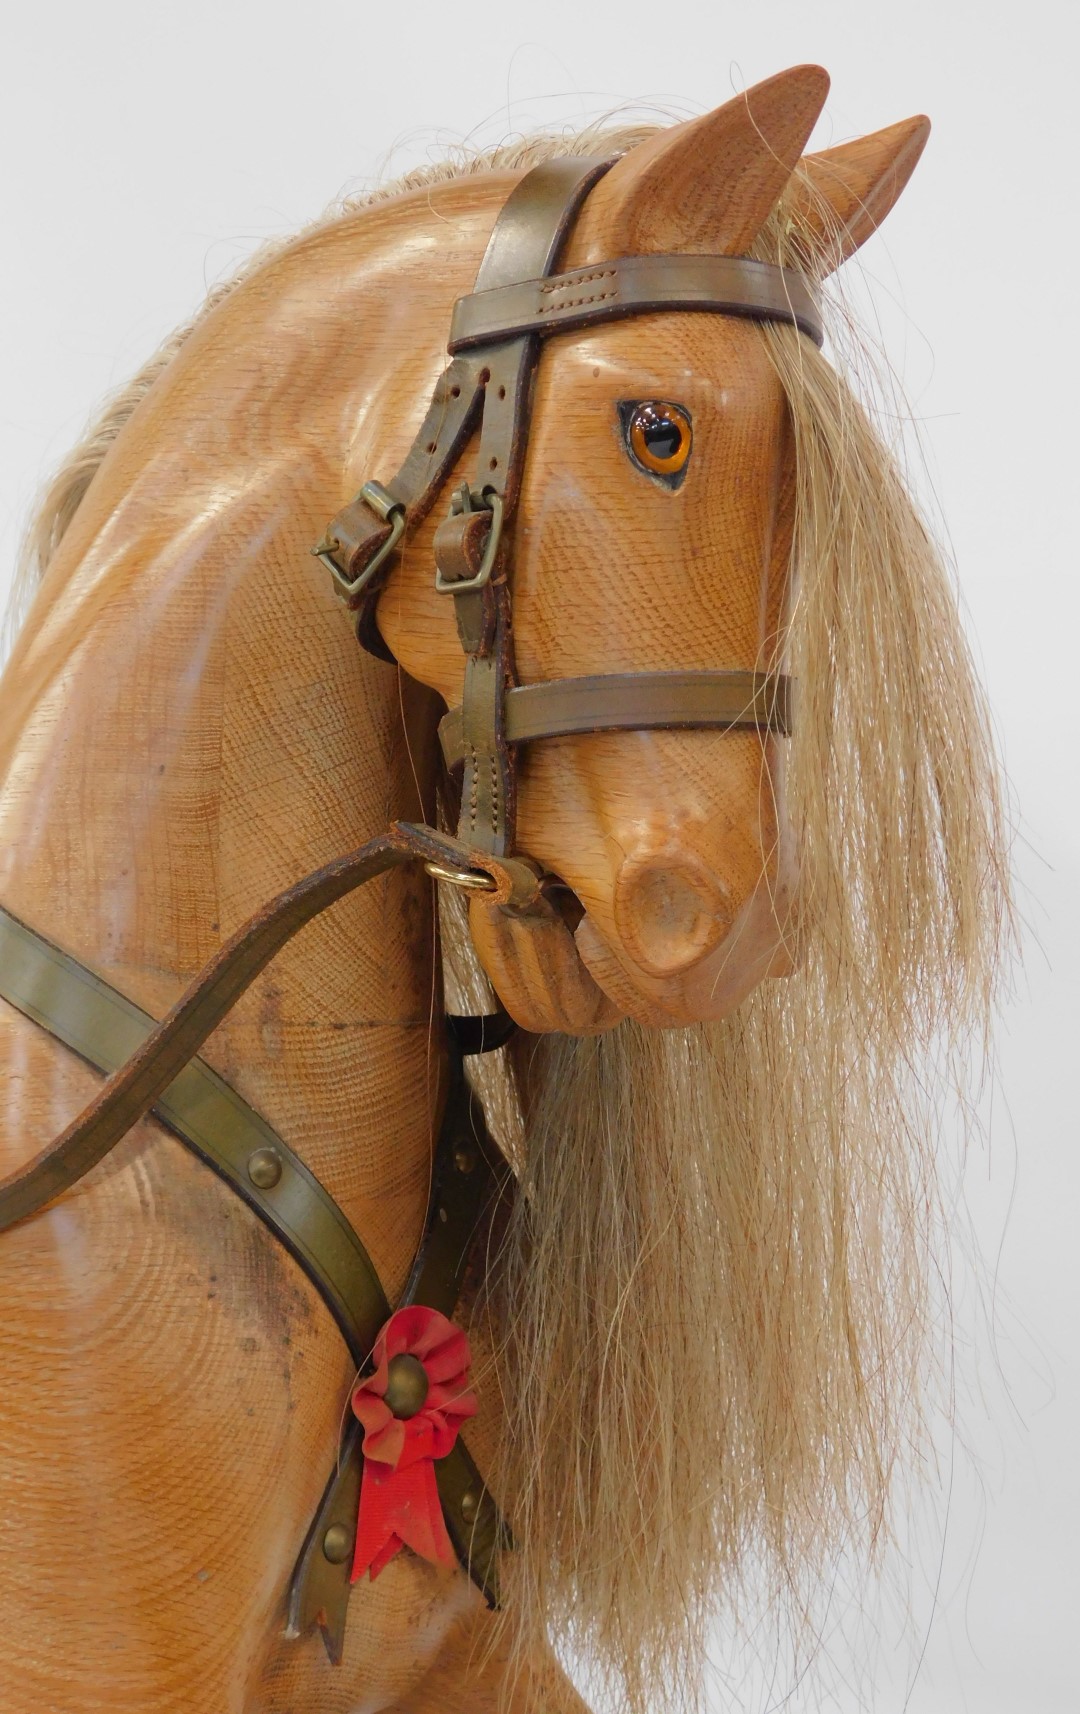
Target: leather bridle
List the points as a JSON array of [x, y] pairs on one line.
[[495, 341], [496, 335]]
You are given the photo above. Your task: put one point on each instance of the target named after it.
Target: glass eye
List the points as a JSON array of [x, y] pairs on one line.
[[658, 436]]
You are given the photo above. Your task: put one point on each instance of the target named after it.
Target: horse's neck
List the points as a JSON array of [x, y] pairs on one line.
[[187, 722]]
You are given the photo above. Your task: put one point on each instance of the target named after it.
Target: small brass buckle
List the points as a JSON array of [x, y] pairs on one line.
[[392, 512], [469, 499]]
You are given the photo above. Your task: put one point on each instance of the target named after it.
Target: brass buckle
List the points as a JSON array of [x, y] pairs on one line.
[[469, 499], [392, 512]]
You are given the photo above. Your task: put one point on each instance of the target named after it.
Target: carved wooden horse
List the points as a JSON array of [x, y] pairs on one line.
[[188, 726]]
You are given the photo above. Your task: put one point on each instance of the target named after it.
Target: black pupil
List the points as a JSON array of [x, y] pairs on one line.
[[662, 435]]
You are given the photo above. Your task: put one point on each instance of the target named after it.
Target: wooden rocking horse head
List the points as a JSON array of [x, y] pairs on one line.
[[650, 564], [728, 822]]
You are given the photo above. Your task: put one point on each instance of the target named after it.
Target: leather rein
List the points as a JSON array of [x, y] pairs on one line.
[[495, 341]]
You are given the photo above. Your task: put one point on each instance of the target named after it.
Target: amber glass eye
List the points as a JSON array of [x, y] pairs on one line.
[[659, 437]]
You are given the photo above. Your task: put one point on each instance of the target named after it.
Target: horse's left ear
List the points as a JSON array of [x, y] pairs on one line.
[[841, 196], [705, 186]]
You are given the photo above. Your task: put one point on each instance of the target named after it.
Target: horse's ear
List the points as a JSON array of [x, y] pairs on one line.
[[705, 187], [841, 196]]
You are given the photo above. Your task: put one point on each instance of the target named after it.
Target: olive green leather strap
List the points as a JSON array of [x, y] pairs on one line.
[[147, 1072], [105, 1028], [468, 1180], [733, 701], [525, 242]]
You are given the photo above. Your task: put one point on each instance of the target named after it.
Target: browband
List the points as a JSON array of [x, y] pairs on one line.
[[635, 285], [626, 702]]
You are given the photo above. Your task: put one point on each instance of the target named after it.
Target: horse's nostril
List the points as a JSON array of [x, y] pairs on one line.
[[670, 912]]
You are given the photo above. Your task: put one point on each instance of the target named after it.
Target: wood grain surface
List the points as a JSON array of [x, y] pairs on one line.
[[187, 726]]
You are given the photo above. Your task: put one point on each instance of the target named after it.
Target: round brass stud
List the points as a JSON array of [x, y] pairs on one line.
[[470, 1505], [406, 1385], [337, 1544], [264, 1168], [465, 1158]]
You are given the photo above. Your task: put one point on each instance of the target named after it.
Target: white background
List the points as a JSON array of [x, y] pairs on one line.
[[147, 147]]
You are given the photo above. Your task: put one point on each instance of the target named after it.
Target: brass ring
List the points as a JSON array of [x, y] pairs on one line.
[[474, 879]]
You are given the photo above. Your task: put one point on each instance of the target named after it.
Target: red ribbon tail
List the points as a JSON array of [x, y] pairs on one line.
[[399, 1508]]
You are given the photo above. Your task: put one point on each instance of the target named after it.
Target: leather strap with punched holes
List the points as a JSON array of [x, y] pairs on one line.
[[471, 544]]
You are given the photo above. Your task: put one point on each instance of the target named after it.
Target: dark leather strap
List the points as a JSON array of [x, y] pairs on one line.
[[524, 243], [360, 532], [533, 222], [619, 702], [635, 285], [139, 1083], [469, 1177]]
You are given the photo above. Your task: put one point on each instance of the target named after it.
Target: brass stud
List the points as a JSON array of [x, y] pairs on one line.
[[264, 1168], [470, 1505], [465, 1158], [337, 1544], [406, 1385]]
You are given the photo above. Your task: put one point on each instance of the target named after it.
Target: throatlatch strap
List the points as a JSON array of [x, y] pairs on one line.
[[357, 545]]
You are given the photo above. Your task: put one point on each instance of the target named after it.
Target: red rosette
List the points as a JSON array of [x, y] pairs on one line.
[[399, 1500]]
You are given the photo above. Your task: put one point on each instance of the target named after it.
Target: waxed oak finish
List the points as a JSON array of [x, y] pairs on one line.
[[186, 726]]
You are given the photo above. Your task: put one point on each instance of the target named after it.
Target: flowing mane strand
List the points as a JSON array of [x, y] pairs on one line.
[[720, 1264]]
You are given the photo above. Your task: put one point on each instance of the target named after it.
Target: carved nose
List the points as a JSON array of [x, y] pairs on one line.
[[670, 912]]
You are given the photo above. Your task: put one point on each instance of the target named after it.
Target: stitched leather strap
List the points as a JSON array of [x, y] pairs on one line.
[[524, 243], [635, 285], [619, 702]]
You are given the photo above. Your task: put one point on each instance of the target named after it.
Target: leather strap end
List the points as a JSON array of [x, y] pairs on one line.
[[517, 880]]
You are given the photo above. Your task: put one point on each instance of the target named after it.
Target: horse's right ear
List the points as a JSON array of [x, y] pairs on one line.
[[707, 186]]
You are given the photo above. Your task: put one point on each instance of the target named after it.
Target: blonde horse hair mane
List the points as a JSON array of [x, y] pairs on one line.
[[714, 1294]]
